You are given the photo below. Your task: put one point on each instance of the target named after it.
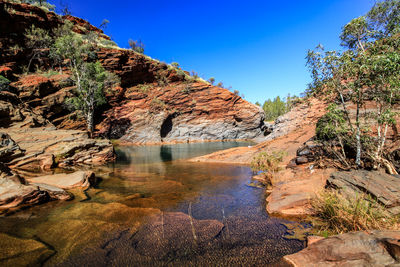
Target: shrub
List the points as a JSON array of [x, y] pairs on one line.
[[211, 80], [161, 80], [144, 88], [108, 43], [267, 162], [336, 213], [157, 104], [4, 83], [331, 125], [136, 46], [175, 65]]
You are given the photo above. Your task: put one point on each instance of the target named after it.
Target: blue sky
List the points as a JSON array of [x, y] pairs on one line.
[[257, 47]]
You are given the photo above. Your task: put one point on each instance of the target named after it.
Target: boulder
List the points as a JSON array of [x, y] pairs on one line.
[[15, 195], [376, 248], [55, 193], [66, 181], [9, 150], [383, 187]]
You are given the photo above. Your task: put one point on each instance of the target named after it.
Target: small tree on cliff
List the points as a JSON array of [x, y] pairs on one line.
[[38, 40], [90, 78], [93, 81]]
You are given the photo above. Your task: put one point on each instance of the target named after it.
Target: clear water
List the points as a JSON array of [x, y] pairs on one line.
[[153, 208]]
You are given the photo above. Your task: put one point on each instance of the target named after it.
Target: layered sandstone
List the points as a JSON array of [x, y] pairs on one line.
[[155, 103]]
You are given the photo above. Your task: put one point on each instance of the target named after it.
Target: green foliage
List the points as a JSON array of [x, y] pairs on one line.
[[211, 80], [175, 65], [161, 80], [37, 40], [384, 18], [331, 125], [92, 85], [88, 75], [144, 88], [50, 73], [368, 70], [108, 43], [336, 213], [277, 107], [194, 74], [4, 83], [104, 24], [267, 162], [136, 46]]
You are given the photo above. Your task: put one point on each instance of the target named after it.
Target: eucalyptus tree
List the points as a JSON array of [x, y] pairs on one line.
[[368, 69], [90, 78]]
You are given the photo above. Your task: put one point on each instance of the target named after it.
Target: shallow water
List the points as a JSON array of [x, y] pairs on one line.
[[153, 208]]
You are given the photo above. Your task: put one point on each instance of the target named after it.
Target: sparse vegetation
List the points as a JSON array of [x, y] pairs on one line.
[[157, 104], [108, 43], [211, 80], [144, 88], [161, 80], [136, 46], [175, 65], [4, 83], [267, 162], [104, 24], [37, 40], [336, 213]]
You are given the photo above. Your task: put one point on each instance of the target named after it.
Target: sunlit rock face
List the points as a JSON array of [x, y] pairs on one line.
[[155, 102]]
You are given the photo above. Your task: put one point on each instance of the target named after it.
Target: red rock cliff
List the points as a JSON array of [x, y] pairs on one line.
[[155, 103]]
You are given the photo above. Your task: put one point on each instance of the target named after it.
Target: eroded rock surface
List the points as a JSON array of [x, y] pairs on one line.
[[66, 181], [376, 248], [383, 187]]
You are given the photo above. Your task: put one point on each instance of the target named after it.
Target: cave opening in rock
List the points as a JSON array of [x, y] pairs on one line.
[[166, 127]]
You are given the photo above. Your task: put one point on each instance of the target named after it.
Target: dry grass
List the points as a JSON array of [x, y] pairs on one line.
[[336, 214]]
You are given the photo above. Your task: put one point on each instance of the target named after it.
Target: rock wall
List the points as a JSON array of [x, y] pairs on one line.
[[155, 103]]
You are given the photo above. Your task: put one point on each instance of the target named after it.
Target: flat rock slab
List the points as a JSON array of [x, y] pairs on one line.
[[66, 181], [22, 252], [384, 187], [13, 194], [377, 248], [54, 192], [293, 191]]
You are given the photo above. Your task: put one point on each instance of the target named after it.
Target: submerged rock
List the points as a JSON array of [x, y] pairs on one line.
[[22, 252], [174, 231], [376, 248]]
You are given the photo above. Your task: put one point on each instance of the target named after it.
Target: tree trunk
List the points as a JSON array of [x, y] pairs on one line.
[[90, 122], [358, 136]]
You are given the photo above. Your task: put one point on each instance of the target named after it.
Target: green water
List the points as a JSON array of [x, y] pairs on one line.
[[153, 208]]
